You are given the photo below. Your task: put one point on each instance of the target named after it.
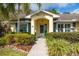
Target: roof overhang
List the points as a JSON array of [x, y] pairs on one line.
[[72, 20], [49, 13]]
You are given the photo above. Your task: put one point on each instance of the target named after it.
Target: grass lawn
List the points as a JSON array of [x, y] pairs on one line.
[[10, 52]]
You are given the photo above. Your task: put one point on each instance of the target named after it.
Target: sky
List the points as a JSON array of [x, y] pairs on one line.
[[60, 7]]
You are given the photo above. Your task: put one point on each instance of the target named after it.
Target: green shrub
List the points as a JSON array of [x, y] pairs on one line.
[[10, 38], [71, 36], [25, 39], [75, 49], [2, 42], [20, 38], [58, 47], [63, 43]]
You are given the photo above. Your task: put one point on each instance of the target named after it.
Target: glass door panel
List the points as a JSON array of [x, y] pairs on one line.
[[67, 27], [41, 28], [60, 27]]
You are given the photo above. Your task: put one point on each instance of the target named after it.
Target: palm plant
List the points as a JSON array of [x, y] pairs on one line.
[[5, 12], [8, 11], [39, 5], [25, 9]]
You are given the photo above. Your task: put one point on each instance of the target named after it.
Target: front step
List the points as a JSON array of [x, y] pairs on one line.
[[40, 35]]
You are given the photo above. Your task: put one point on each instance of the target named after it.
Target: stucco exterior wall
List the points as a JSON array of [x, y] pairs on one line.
[[41, 22], [43, 16]]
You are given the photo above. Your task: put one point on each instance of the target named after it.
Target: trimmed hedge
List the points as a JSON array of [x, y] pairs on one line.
[[58, 47], [3, 42], [20, 38], [60, 44], [71, 36]]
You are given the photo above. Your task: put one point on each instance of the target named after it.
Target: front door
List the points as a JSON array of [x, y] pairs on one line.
[[43, 28]]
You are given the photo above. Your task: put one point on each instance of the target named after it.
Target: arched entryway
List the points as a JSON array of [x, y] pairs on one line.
[[41, 26]]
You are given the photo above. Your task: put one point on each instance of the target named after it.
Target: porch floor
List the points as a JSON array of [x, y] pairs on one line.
[[39, 49]]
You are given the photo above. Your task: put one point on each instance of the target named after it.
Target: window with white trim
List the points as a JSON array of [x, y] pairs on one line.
[[64, 27], [67, 27], [60, 27], [23, 28]]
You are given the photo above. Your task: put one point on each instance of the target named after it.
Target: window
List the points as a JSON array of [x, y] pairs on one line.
[[67, 27], [23, 27], [74, 24], [60, 27], [45, 28], [29, 27], [64, 27]]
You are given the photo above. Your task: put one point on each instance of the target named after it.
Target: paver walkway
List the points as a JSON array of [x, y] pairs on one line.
[[39, 49]]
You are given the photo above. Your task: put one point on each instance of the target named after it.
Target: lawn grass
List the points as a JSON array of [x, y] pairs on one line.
[[10, 52]]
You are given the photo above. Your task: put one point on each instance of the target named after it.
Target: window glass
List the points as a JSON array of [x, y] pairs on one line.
[[60, 27], [23, 28], [67, 27], [74, 24], [64, 27], [29, 27]]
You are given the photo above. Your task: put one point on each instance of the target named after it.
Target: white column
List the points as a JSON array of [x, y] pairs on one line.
[[18, 25], [71, 27], [64, 27], [27, 27], [50, 24], [32, 26], [56, 27]]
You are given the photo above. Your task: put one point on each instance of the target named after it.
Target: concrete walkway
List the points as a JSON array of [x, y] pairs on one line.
[[39, 49]]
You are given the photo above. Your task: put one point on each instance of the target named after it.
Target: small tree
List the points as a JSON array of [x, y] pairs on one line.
[[39, 5], [54, 11]]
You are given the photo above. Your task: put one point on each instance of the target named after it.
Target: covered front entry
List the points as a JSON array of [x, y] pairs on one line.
[[41, 25], [42, 21]]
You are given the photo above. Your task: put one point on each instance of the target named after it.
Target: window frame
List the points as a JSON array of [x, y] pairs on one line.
[[64, 29]]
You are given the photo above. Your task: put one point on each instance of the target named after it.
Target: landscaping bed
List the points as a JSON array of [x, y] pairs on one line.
[[21, 42], [63, 44], [24, 47]]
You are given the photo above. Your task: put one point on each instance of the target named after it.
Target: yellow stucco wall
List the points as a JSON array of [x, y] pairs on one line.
[[39, 22], [77, 26], [40, 19]]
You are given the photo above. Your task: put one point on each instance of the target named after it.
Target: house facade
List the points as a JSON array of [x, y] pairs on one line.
[[44, 21]]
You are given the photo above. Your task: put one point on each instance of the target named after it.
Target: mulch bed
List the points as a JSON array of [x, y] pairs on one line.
[[19, 47], [24, 47]]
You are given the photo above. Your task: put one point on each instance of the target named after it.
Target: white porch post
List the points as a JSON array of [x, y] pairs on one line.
[[18, 25], [32, 26], [56, 27], [50, 25], [27, 28]]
